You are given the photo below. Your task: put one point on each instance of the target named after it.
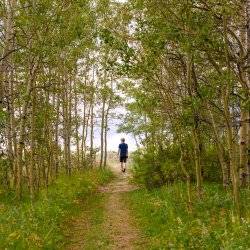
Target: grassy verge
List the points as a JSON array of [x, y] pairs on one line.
[[37, 225], [164, 218]]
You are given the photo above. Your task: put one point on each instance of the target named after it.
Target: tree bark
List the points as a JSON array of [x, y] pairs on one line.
[[192, 91], [229, 128], [220, 152], [77, 131], [92, 134], [106, 135], [102, 132], [188, 179]]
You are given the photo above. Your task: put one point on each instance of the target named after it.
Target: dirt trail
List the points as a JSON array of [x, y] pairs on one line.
[[119, 224]]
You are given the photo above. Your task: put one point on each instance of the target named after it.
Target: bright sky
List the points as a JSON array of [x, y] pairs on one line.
[[114, 140], [114, 137]]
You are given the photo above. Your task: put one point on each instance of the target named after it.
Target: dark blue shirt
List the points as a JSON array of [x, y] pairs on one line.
[[123, 149]]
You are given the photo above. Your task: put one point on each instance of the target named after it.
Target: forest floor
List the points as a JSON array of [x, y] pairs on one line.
[[106, 220]]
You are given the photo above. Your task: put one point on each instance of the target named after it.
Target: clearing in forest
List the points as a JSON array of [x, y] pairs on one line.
[[106, 221]]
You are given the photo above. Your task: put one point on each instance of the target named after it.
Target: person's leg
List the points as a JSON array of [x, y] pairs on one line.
[[124, 165], [121, 165], [121, 161]]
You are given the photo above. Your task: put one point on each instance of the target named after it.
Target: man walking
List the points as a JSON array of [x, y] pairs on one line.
[[123, 153]]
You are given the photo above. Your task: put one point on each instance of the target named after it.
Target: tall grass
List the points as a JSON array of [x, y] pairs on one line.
[[169, 224], [37, 225]]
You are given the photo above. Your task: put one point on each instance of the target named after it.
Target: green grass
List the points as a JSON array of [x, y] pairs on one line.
[[37, 225], [163, 216]]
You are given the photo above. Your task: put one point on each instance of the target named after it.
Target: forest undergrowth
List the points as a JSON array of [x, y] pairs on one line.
[[169, 223], [38, 225]]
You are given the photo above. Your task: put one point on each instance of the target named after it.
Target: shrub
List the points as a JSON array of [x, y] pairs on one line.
[[154, 166]]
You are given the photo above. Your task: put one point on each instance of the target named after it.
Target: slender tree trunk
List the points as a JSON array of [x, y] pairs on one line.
[[77, 132], [57, 136], [220, 152], [32, 145], [192, 90], [6, 84], [188, 179], [83, 132], [244, 107], [66, 112], [13, 129], [87, 128], [20, 148], [243, 147], [23, 123], [106, 135], [229, 127], [246, 116], [48, 136], [68, 132], [9, 129], [92, 134], [232, 158], [102, 132], [197, 160]]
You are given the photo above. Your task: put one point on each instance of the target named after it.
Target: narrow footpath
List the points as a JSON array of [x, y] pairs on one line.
[[117, 230]]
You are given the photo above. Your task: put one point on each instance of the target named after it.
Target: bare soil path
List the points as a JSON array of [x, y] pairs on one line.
[[119, 223], [118, 228]]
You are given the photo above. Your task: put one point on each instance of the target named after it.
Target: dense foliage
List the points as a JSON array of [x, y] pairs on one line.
[[57, 90], [157, 167], [188, 88]]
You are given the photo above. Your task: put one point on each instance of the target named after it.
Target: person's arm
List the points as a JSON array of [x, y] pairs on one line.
[[127, 150], [118, 153]]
